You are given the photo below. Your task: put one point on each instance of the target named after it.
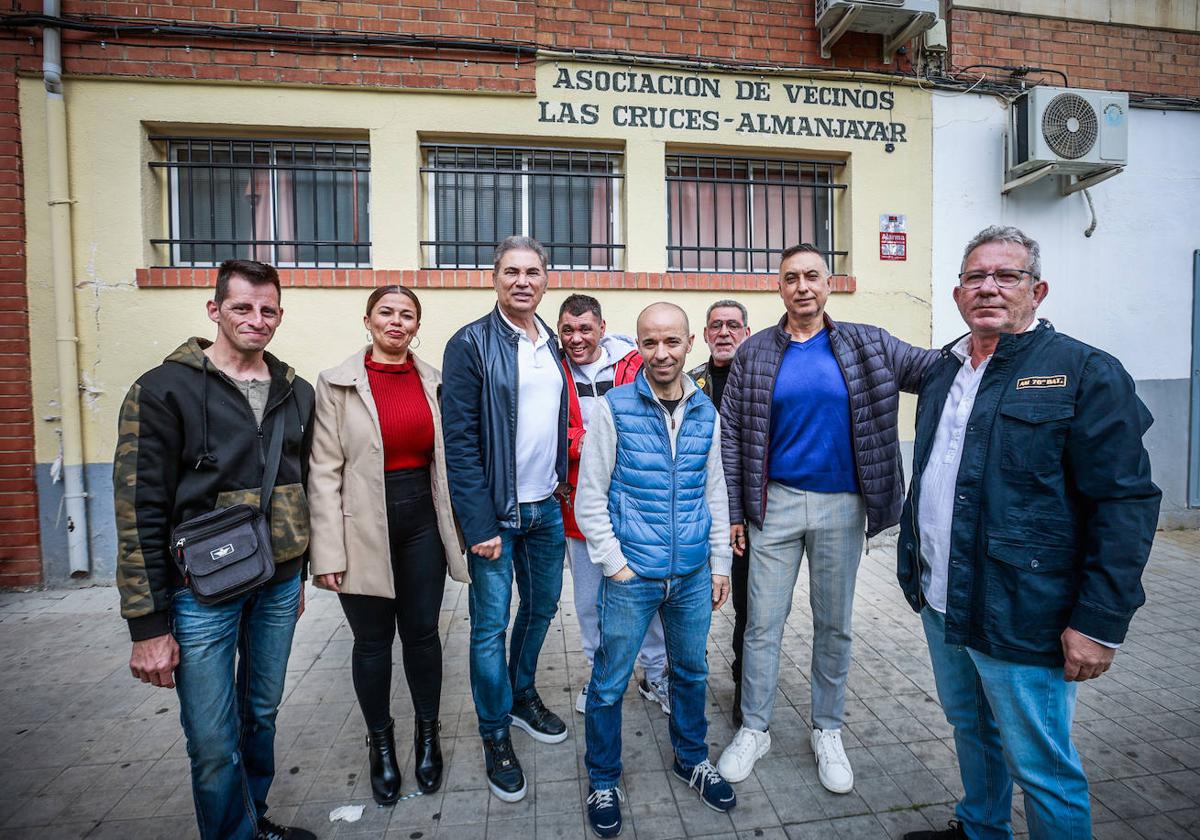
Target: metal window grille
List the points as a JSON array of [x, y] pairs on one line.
[[290, 203], [564, 198], [737, 214]]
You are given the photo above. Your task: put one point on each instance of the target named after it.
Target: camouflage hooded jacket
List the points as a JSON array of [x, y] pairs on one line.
[[188, 443]]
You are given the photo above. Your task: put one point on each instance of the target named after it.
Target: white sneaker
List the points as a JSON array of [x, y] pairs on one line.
[[747, 747], [833, 768], [581, 700]]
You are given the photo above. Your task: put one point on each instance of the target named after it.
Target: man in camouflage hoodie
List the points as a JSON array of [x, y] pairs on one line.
[[193, 436]]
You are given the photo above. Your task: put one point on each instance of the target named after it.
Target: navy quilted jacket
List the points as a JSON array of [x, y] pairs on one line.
[[876, 365]]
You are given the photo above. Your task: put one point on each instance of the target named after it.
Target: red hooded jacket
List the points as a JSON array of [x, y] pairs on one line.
[[626, 370]]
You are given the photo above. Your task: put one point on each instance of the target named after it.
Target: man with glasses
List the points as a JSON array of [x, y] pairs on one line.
[[812, 461], [1027, 525], [726, 326]]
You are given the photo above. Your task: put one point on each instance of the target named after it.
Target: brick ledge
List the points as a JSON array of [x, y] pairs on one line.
[[369, 278]]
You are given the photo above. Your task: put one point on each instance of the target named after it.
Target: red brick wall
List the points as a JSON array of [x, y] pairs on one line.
[[1093, 55], [20, 550], [755, 31]]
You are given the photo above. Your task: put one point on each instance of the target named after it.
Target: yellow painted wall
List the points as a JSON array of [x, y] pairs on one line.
[[124, 330]]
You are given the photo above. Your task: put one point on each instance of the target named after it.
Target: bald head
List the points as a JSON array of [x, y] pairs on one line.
[[666, 314], [664, 342]]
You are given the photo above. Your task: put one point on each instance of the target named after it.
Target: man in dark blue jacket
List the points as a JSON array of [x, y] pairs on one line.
[[504, 412], [652, 506], [1028, 521]]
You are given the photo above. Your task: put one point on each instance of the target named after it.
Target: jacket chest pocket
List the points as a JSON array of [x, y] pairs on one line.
[[1033, 434]]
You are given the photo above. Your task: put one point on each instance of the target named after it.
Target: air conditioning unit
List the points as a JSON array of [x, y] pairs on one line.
[[1066, 131], [898, 21]]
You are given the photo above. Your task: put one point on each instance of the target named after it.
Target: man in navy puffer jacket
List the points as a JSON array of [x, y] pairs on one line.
[[811, 456], [652, 505]]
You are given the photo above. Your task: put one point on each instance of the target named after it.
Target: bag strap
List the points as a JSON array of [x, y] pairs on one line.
[[273, 456]]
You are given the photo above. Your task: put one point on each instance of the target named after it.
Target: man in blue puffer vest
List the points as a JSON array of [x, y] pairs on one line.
[[653, 507]]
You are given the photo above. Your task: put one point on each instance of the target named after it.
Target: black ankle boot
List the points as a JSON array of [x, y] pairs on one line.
[[427, 755], [385, 772]]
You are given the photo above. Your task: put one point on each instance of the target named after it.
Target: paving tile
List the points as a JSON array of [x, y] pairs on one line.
[[89, 752]]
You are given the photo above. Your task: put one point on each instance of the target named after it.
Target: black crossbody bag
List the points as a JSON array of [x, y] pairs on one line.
[[227, 552]]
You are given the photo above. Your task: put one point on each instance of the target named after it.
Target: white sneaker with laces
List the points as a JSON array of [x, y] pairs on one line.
[[581, 700], [833, 768], [747, 747]]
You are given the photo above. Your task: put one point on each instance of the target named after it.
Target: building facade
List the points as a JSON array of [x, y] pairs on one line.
[[661, 150]]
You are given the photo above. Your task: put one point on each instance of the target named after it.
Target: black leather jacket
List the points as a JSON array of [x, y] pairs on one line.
[[479, 421]]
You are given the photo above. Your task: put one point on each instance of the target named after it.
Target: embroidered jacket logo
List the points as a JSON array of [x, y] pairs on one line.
[[1056, 381]]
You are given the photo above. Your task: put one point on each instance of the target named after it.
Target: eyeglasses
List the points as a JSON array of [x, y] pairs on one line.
[[1006, 278], [732, 326]]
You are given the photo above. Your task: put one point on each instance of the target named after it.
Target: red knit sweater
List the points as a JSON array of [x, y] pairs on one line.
[[404, 415]]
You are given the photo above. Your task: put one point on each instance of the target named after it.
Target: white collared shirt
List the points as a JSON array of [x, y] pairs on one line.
[[935, 515], [539, 403]]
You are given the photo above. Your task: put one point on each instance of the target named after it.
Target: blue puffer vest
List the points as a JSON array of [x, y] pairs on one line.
[[656, 503]]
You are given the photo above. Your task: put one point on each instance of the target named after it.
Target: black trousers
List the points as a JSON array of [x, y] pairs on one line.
[[738, 584], [419, 572]]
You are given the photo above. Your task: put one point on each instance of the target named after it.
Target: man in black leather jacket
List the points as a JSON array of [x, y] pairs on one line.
[[504, 414]]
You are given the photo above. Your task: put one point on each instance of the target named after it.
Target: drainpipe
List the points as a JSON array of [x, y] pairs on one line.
[[62, 273]]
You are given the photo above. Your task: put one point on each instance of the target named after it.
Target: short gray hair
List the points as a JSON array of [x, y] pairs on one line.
[[1007, 233], [730, 303], [518, 243]]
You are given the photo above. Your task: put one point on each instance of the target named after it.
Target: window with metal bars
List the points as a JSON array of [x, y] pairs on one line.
[[476, 196], [738, 214], [291, 203]]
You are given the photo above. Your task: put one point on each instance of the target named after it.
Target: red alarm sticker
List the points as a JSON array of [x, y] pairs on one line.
[[893, 246]]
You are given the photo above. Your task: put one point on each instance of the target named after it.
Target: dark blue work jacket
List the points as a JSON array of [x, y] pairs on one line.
[[1054, 509]]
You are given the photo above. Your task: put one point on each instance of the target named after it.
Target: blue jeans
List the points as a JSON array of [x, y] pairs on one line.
[[1011, 721], [587, 577], [533, 555], [232, 662], [626, 607]]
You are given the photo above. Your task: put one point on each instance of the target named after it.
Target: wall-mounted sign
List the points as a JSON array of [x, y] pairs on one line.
[[893, 236], [706, 103]]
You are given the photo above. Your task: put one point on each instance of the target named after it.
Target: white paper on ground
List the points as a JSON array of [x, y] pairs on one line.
[[346, 813]]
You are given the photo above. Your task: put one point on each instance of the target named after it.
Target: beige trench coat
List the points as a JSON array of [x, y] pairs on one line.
[[346, 495]]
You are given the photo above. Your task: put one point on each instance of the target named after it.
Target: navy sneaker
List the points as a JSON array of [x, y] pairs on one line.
[[604, 811], [714, 791], [531, 714]]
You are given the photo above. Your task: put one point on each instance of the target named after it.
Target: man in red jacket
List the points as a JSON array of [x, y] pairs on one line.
[[596, 362]]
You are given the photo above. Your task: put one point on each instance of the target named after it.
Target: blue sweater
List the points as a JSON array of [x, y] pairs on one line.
[[810, 445]]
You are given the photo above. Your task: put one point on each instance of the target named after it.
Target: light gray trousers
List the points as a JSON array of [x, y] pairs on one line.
[[829, 528], [586, 577]]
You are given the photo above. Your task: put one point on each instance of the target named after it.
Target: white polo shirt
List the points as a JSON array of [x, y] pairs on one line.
[[539, 403]]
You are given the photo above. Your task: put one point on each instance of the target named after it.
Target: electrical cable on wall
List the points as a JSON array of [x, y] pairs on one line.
[[1092, 209]]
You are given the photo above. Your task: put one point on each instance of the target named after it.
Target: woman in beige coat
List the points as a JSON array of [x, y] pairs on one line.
[[383, 533]]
